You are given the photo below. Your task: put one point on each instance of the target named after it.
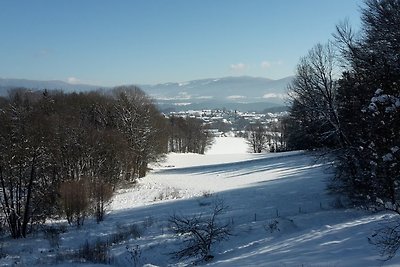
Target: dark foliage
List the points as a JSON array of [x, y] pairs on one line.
[[369, 92], [50, 141], [188, 135]]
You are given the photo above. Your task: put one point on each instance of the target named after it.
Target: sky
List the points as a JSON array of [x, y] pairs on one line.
[[104, 42]]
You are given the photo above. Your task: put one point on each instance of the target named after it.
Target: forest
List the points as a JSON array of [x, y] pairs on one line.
[[63, 155]]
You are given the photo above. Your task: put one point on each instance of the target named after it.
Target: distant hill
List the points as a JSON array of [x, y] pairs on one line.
[[234, 89], [242, 93], [7, 84]]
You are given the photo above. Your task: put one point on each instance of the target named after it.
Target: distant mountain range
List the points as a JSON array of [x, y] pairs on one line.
[[6, 84], [242, 93]]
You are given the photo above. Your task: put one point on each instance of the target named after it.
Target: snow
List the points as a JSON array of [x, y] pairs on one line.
[[388, 157], [279, 208], [228, 145], [397, 104]]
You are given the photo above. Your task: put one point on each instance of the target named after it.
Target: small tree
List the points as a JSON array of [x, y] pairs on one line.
[[101, 194], [75, 201], [200, 232], [387, 240], [256, 137]]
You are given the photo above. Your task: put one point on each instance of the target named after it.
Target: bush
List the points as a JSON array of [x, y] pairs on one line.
[[169, 193], [96, 253], [52, 234], [125, 232], [200, 232], [135, 253], [75, 201], [387, 239], [272, 226]]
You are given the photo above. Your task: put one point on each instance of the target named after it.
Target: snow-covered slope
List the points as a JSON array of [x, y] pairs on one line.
[[286, 190]]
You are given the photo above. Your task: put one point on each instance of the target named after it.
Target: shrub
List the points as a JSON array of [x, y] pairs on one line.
[[387, 239], [135, 254], [75, 201], [96, 253], [200, 232], [125, 232], [52, 234], [272, 226]]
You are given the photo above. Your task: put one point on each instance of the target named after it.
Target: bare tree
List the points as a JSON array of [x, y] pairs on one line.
[[200, 232], [257, 137], [387, 239], [313, 94], [101, 194], [75, 199], [188, 135]]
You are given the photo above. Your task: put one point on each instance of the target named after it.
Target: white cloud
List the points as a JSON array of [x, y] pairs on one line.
[[238, 67], [274, 95], [268, 64], [236, 97], [205, 97], [73, 80], [265, 65]]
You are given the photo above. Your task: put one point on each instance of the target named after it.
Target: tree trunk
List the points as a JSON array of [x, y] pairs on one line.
[[27, 216]]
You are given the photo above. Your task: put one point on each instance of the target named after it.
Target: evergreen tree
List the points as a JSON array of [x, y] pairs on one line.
[[368, 96]]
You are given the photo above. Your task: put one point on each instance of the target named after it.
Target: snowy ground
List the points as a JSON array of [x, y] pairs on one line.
[[285, 189]]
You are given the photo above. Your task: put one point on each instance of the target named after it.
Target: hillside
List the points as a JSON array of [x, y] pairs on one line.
[[280, 212]]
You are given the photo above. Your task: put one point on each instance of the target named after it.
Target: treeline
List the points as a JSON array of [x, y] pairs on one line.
[[346, 98], [270, 137], [188, 135], [64, 154]]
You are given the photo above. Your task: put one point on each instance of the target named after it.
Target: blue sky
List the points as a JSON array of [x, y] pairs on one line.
[[154, 41]]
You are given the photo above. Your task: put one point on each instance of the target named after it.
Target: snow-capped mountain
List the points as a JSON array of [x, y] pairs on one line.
[[242, 93], [238, 89]]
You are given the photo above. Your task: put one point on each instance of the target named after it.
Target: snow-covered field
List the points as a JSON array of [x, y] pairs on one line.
[[286, 190]]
